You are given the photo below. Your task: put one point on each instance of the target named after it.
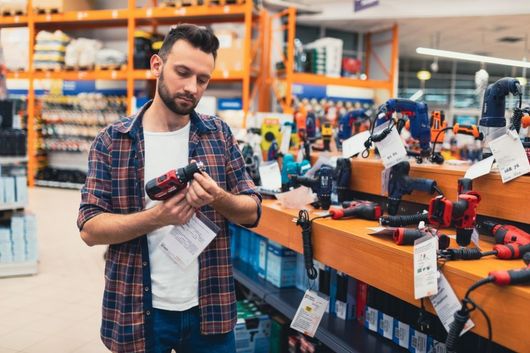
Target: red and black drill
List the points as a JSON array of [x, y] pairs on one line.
[[358, 209], [170, 183]]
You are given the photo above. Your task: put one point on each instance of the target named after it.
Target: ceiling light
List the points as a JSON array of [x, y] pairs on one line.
[[423, 75], [472, 57]]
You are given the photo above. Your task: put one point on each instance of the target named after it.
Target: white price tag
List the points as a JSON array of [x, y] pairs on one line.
[[372, 319], [446, 303], [385, 177], [479, 169], [297, 198], [354, 144], [402, 335], [510, 156], [309, 313], [386, 325], [425, 270], [391, 149], [270, 175], [475, 238], [418, 342], [186, 242], [286, 138]]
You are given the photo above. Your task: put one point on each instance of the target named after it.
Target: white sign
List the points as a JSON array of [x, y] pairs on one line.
[[425, 267], [446, 304], [309, 313], [479, 169], [510, 156], [354, 144], [297, 198], [391, 148], [270, 175], [286, 138], [186, 242]]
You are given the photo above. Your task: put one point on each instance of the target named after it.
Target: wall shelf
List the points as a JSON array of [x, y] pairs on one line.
[[58, 184], [18, 269], [339, 335], [13, 160], [12, 206]]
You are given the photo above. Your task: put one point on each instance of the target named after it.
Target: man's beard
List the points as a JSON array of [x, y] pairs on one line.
[[170, 100]]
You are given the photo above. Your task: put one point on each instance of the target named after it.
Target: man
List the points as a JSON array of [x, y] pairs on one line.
[[150, 303]]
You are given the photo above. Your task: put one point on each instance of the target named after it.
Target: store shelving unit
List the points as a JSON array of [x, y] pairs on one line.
[[58, 184], [339, 335], [376, 260], [13, 160], [286, 78], [133, 17]]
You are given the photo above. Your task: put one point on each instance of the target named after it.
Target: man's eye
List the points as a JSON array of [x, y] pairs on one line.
[[183, 73]]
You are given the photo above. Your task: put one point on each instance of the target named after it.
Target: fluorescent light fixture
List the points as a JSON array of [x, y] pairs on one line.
[[471, 57], [417, 95]]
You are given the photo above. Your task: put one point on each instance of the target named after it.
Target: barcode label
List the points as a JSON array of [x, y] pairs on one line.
[[371, 319], [419, 342]]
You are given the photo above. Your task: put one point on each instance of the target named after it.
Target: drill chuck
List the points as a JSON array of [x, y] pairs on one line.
[[463, 236]]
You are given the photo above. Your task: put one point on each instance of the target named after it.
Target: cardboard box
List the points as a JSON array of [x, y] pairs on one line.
[[6, 251], [21, 189], [281, 265], [262, 253], [230, 58], [17, 238], [9, 189], [252, 333], [30, 235], [61, 5]]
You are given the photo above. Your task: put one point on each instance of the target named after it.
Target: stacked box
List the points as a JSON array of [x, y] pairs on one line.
[[262, 262], [21, 189], [234, 232], [281, 265], [279, 334], [30, 237], [6, 251], [244, 245], [17, 238], [252, 330]]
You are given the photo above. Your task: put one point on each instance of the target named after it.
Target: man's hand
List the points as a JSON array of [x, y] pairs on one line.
[[203, 190], [175, 210]]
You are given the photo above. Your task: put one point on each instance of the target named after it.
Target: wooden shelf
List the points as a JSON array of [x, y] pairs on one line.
[[100, 18], [505, 201], [81, 75], [346, 246], [13, 21], [314, 79]]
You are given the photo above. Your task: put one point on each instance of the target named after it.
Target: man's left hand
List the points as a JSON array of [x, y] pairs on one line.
[[203, 190]]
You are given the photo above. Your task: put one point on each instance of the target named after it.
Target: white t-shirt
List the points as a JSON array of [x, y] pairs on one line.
[[173, 287]]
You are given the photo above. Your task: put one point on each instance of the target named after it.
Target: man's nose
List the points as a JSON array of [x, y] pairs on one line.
[[191, 85]]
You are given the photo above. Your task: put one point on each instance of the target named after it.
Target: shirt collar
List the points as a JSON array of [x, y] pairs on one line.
[[132, 126]]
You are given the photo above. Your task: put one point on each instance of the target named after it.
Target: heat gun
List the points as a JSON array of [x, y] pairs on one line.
[[492, 121], [170, 183]]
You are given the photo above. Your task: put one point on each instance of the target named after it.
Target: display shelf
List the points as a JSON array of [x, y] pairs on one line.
[[18, 75], [196, 14], [18, 269], [12, 206], [13, 160], [58, 184], [346, 246], [13, 21], [314, 79], [339, 335], [88, 75], [117, 17], [217, 75]]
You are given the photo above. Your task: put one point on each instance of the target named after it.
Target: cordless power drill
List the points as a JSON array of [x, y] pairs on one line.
[[417, 113], [357, 209], [349, 124], [492, 121], [290, 168], [170, 183], [321, 185], [407, 236], [399, 184]]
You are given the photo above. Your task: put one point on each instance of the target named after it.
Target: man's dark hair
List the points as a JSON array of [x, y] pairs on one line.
[[199, 37]]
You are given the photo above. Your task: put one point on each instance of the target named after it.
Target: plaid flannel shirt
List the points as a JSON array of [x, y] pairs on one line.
[[115, 184]]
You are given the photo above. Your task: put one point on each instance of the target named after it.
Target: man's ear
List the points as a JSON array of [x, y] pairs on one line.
[[156, 65]]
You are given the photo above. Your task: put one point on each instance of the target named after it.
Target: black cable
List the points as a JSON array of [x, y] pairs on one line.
[[376, 138], [306, 224], [404, 220]]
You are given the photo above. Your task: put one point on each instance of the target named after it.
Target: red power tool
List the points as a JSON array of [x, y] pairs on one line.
[[167, 185], [462, 213], [407, 236], [359, 209]]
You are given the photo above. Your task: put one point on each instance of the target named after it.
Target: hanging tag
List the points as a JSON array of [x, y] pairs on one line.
[[510, 156], [475, 237], [480, 168], [354, 144], [446, 303], [270, 175], [286, 138], [425, 270], [381, 231], [391, 149], [385, 176], [309, 313], [297, 198]]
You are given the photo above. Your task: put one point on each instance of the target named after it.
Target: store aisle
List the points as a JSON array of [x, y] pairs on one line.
[[57, 310]]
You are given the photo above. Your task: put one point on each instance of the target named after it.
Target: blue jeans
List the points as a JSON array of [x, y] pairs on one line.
[[180, 330]]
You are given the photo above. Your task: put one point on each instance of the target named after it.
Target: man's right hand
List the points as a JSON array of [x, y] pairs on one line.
[[175, 210]]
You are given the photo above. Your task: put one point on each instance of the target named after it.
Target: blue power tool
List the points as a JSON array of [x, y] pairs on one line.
[[348, 121], [492, 122], [290, 167], [321, 184]]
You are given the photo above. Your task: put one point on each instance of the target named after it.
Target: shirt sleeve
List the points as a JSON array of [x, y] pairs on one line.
[[237, 179], [96, 193]]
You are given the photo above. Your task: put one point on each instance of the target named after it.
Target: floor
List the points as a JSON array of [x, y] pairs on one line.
[[59, 309]]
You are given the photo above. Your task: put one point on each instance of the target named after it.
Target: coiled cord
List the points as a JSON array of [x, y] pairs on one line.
[[403, 220], [306, 224]]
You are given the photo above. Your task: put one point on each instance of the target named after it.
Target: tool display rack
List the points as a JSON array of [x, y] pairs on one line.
[[288, 77], [346, 246], [16, 268], [250, 77]]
